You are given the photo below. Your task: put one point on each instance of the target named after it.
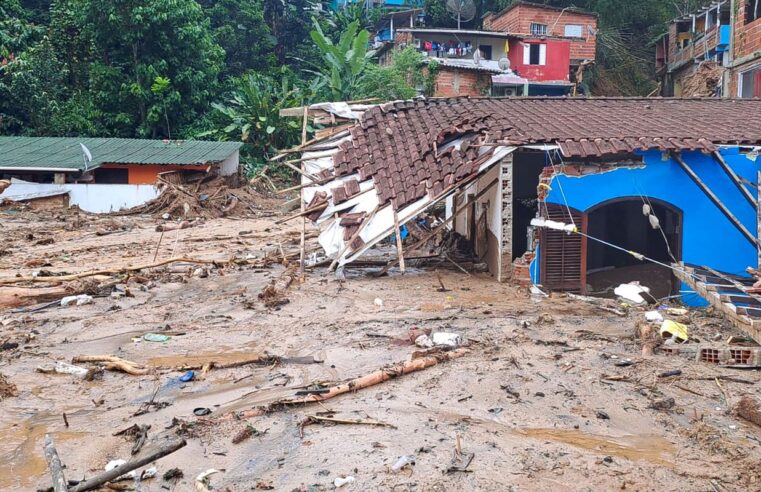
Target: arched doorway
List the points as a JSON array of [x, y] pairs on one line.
[[622, 222]]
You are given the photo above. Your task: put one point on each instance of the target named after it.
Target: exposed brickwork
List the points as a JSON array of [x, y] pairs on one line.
[[452, 82], [522, 269], [747, 36], [517, 19]]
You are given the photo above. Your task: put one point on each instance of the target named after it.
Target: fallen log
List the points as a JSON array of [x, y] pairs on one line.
[[13, 297], [749, 408], [173, 227], [146, 456], [110, 271], [54, 465], [377, 377], [113, 363]]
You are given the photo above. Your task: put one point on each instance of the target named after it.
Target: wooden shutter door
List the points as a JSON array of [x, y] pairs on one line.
[[563, 256]]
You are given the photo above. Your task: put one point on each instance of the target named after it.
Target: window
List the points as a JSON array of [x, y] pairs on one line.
[[111, 176], [752, 10], [573, 31], [538, 29], [485, 50], [535, 54], [750, 84]]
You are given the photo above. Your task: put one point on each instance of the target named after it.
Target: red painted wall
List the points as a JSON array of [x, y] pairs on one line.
[[556, 66]]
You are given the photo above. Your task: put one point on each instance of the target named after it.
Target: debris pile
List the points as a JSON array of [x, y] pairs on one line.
[[704, 81], [201, 196]]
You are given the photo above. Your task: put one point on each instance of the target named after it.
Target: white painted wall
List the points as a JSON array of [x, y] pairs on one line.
[[95, 198], [230, 165]]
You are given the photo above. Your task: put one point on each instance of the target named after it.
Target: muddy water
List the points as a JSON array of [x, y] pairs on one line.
[[227, 355], [22, 459], [650, 448]]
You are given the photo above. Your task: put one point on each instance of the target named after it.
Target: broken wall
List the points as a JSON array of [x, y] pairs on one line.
[[708, 237]]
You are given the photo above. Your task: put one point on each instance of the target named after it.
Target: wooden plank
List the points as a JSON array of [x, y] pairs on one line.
[[739, 319], [735, 179], [715, 199]]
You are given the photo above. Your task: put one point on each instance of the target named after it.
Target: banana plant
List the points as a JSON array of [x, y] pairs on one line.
[[252, 114], [343, 63]]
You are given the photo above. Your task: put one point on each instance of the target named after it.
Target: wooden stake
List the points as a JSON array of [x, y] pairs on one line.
[[54, 465], [302, 243], [399, 250], [147, 456]]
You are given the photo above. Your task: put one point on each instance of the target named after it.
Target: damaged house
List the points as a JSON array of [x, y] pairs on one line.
[[104, 174], [574, 194], [713, 51]]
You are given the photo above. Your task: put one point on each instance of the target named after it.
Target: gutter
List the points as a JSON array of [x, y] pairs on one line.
[[45, 169]]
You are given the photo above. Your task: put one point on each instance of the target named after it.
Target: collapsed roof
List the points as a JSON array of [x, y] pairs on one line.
[[401, 157]]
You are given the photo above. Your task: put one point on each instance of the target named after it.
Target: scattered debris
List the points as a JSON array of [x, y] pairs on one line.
[[633, 292], [749, 408], [7, 389], [460, 460], [403, 462], [371, 379], [341, 481], [113, 363]]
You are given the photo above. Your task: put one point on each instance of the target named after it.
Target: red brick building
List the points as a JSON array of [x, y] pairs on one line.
[[526, 49], [539, 21]]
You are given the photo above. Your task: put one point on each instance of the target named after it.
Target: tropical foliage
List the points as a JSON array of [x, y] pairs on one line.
[[224, 68]]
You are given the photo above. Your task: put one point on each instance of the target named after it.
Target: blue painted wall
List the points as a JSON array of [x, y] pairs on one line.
[[708, 237]]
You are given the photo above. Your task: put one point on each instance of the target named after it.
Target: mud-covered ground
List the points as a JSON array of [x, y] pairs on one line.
[[541, 400]]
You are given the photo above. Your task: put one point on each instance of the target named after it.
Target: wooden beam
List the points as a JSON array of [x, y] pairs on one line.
[[735, 179], [399, 250], [715, 199], [732, 312]]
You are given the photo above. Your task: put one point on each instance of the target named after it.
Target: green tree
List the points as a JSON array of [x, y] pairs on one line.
[[343, 63], [134, 42], [404, 78], [240, 28]]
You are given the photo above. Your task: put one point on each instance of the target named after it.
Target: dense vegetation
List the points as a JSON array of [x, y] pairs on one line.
[[224, 68]]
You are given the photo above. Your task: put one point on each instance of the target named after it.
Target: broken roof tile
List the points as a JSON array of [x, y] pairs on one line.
[[397, 139]]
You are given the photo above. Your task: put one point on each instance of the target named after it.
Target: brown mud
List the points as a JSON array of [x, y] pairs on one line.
[[539, 400]]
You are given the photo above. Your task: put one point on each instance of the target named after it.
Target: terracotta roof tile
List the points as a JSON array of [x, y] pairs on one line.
[[395, 143]]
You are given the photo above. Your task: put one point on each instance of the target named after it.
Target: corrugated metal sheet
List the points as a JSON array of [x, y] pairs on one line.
[[65, 153]]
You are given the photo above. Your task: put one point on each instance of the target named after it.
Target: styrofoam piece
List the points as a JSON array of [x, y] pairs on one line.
[[631, 292]]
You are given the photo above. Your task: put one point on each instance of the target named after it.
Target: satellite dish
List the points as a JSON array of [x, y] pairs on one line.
[[477, 56], [504, 64], [462, 10]]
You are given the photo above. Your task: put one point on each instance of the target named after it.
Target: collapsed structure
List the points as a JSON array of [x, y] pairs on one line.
[[597, 164], [104, 174]]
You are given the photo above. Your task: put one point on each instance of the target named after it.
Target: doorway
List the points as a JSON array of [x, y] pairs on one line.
[[622, 222]]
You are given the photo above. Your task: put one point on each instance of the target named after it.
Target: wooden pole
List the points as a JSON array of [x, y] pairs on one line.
[[54, 465], [436, 229], [145, 457], [371, 379], [302, 243], [399, 250]]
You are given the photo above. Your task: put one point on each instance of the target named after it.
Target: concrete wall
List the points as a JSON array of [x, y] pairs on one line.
[[231, 165], [93, 198], [709, 238]]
